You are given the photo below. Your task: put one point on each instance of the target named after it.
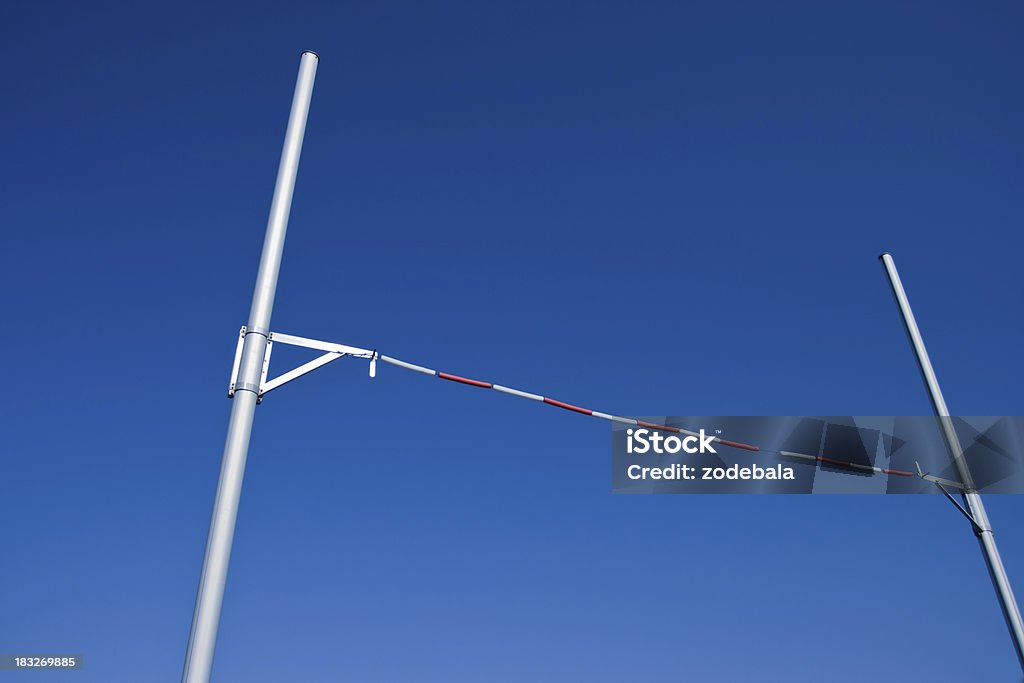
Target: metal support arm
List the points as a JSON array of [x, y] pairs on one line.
[[333, 352]]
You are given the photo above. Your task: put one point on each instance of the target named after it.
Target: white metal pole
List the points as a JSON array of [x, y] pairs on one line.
[[971, 497], [203, 636]]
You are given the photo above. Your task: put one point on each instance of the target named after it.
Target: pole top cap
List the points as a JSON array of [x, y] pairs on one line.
[[310, 52]]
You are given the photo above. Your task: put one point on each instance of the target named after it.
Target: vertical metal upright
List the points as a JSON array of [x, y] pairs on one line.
[[971, 498], [203, 636]]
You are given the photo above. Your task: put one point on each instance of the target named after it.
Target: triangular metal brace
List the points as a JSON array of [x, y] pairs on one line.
[[331, 350], [942, 484]]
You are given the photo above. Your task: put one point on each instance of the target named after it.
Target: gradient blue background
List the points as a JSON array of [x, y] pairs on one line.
[[646, 208]]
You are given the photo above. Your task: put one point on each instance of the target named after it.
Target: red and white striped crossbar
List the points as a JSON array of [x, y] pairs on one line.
[[627, 420], [846, 463], [339, 350], [558, 404]]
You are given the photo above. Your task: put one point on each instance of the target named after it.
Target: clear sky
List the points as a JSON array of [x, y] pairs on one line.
[[647, 208]]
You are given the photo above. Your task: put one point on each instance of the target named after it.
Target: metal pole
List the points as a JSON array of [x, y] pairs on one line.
[[971, 497], [203, 636]]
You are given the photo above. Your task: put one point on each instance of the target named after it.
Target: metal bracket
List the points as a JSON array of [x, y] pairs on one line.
[[942, 483], [332, 352], [938, 481], [238, 360]]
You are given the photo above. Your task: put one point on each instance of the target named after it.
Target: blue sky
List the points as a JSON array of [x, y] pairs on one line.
[[647, 208]]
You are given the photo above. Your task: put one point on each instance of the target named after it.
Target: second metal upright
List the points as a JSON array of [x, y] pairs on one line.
[[209, 597], [971, 498]]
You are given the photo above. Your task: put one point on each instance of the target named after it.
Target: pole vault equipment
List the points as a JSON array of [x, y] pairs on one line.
[[557, 404], [249, 371], [845, 463], [249, 384], [333, 351], [973, 508]]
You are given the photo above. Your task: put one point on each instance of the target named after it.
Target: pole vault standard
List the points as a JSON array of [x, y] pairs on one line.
[[249, 381], [973, 507], [250, 371]]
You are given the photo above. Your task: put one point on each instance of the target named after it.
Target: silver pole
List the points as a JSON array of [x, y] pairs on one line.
[[971, 497], [203, 637]]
